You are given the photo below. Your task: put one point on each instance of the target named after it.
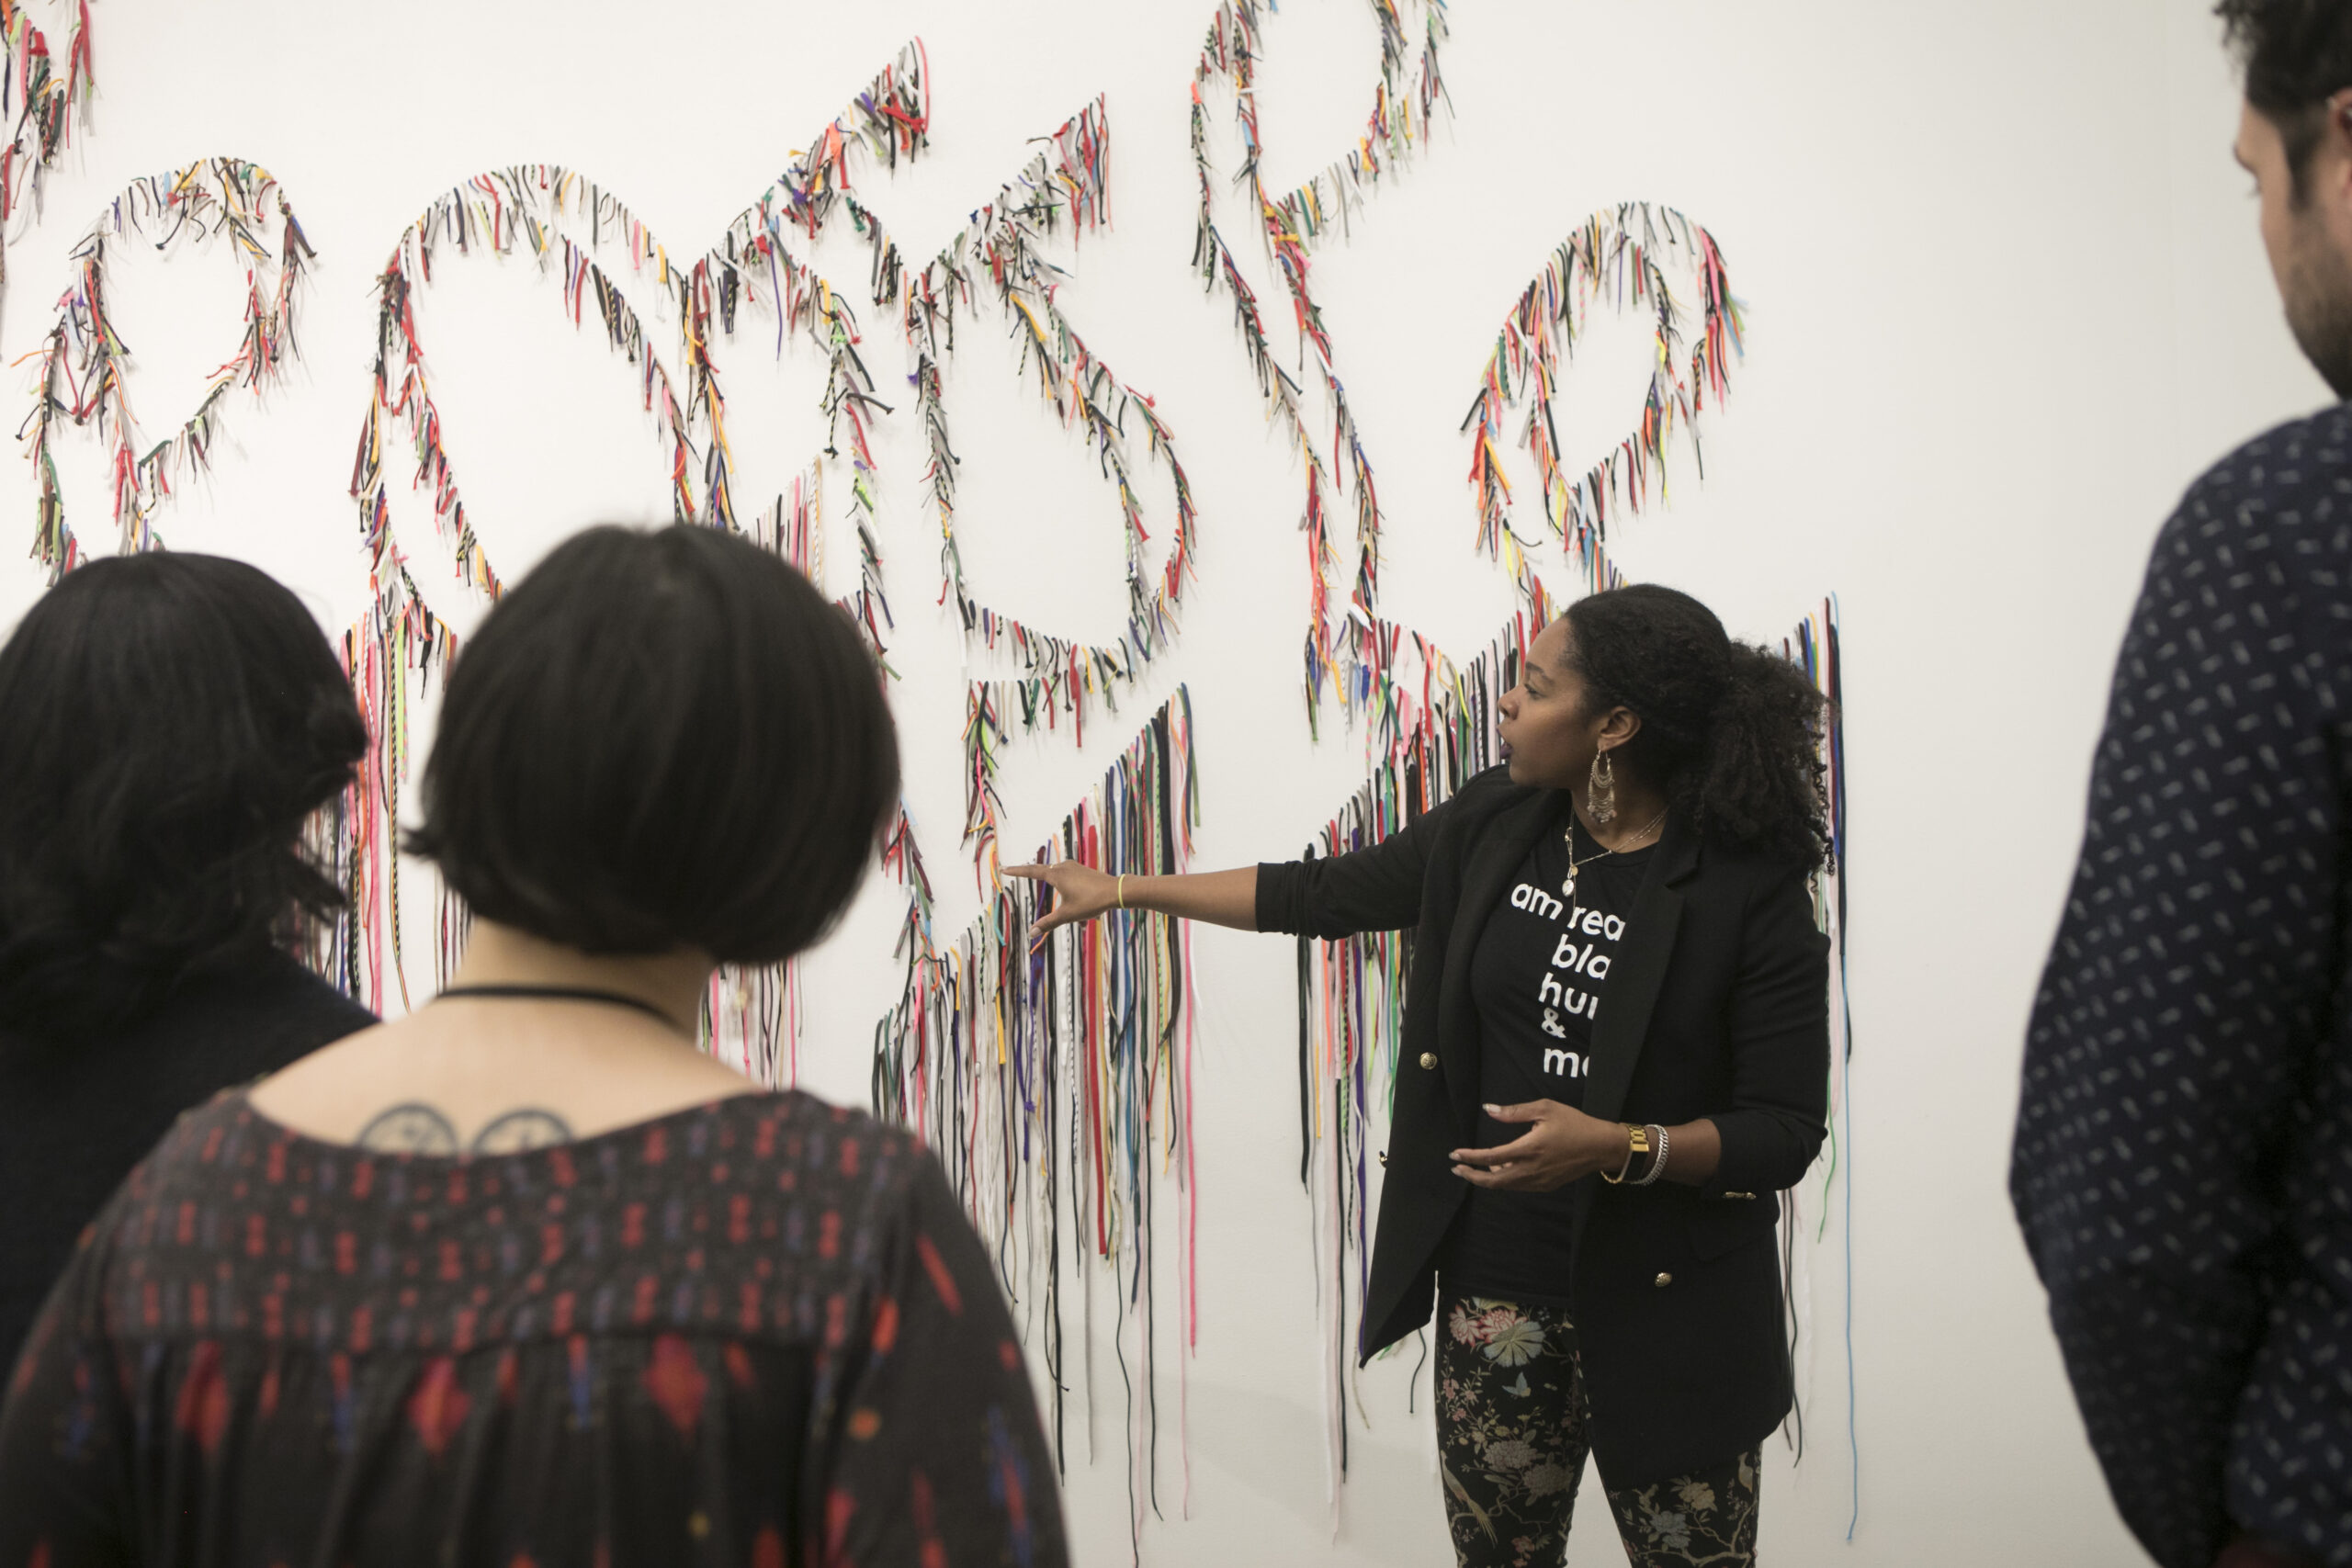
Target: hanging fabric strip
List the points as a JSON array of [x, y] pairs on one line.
[[1622, 256], [580, 236], [960, 1060], [40, 103], [84, 363], [1054, 1082], [588, 242], [1342, 651], [1434, 726], [1815, 646], [1000, 258]]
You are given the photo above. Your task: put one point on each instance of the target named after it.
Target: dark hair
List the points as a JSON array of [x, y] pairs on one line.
[[167, 724], [659, 740], [2297, 55], [1730, 732]]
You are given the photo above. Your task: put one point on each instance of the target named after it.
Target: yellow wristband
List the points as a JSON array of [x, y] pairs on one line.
[[1123, 890]]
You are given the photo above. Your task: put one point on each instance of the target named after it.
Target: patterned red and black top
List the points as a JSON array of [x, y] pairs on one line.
[[756, 1332]]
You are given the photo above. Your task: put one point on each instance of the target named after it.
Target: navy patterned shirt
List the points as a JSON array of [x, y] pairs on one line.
[[2183, 1166]]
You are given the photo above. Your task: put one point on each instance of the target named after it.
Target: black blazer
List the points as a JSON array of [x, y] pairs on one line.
[[1717, 1006]]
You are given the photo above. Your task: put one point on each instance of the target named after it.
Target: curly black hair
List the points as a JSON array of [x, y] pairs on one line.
[[1731, 732], [2297, 55], [168, 724]]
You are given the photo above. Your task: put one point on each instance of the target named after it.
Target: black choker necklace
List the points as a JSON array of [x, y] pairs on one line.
[[560, 994]]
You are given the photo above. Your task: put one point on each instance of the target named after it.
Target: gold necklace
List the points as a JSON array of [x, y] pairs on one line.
[[1568, 887]]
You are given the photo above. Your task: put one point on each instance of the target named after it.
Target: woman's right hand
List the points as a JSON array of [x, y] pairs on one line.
[[1080, 893]]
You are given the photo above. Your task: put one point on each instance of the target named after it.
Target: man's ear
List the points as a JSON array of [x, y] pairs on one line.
[[2335, 144]]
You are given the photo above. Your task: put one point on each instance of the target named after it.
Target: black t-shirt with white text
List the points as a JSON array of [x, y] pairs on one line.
[[1537, 976]]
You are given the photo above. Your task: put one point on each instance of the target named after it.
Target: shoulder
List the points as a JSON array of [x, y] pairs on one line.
[[251, 1020], [273, 995], [207, 1149], [2293, 477], [859, 1159], [1749, 875], [1757, 906], [2252, 567], [314, 1004], [889, 1193], [2296, 455]]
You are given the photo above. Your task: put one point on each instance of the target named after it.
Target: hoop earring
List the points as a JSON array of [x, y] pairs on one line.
[[1601, 791]]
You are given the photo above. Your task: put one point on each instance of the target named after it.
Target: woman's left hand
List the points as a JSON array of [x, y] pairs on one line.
[[1560, 1144]]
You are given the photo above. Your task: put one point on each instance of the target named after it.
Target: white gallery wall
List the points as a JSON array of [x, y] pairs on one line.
[[2004, 298]]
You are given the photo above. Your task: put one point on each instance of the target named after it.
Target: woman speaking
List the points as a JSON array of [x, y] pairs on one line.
[[1616, 975]]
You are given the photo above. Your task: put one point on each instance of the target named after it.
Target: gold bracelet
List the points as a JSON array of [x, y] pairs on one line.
[[1637, 1141], [1123, 890]]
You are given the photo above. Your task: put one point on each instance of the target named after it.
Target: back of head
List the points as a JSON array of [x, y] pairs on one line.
[[167, 724], [658, 741], [1731, 732], [2297, 55]]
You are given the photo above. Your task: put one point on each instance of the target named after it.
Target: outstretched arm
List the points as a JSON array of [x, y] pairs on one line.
[[1378, 888], [1080, 893]]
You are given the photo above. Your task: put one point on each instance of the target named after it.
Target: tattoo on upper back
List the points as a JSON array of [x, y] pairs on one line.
[[519, 1130], [411, 1128], [416, 1128]]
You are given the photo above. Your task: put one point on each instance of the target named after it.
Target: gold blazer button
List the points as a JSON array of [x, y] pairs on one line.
[[1664, 1280], [1429, 1058]]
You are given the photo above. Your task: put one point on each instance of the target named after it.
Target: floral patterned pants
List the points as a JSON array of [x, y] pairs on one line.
[[1511, 1447]]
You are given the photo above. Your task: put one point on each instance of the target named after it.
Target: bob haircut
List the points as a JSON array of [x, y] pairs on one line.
[[660, 740], [167, 725]]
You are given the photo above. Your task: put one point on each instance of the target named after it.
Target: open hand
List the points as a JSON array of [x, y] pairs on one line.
[[1080, 893], [1560, 1144]]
